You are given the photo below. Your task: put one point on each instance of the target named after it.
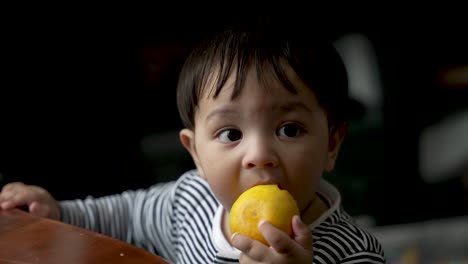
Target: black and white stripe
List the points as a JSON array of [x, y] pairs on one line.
[[175, 221]]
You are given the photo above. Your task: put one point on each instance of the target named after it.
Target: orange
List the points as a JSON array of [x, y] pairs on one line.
[[266, 202]]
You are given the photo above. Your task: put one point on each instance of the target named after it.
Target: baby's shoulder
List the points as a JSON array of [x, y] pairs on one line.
[[191, 185], [190, 180]]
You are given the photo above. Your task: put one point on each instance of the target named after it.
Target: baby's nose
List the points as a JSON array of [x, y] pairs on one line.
[[260, 155], [261, 164]]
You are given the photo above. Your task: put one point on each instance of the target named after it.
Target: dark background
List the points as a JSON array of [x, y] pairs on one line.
[[79, 97]]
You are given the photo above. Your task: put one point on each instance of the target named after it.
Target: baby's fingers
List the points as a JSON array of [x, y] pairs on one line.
[[250, 248], [297, 249], [11, 186], [15, 195], [37, 200], [302, 234], [12, 201], [9, 190], [277, 239], [284, 244]]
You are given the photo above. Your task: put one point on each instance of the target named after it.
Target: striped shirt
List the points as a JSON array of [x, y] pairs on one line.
[[181, 222]]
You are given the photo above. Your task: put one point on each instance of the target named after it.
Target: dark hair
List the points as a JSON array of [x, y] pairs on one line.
[[265, 46]]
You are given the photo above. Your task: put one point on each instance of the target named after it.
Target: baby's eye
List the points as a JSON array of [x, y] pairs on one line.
[[290, 130], [229, 135]]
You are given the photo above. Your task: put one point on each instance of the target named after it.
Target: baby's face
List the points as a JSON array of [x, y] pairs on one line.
[[264, 136]]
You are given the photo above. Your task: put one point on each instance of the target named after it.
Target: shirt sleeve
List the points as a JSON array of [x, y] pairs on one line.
[[140, 217]]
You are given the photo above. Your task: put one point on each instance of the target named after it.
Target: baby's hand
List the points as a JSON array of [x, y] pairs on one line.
[[283, 249], [38, 201]]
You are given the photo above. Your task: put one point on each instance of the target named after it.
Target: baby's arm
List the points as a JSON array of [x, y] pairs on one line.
[[129, 216], [38, 200]]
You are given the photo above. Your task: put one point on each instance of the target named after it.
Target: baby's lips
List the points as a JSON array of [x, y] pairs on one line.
[[266, 183]]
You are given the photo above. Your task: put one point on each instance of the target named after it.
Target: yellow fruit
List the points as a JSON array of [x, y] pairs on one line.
[[266, 202]]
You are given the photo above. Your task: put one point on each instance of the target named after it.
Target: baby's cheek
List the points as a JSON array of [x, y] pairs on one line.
[[221, 186]]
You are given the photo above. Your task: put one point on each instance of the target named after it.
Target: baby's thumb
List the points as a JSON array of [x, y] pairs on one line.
[[42, 210], [302, 233]]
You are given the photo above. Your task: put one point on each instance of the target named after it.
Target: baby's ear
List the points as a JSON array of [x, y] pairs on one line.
[[187, 138], [335, 138]]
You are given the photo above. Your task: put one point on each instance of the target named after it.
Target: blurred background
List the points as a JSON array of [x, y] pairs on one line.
[[88, 108]]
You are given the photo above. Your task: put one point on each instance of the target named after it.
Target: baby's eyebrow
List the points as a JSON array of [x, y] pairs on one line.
[[293, 106], [286, 108], [221, 112]]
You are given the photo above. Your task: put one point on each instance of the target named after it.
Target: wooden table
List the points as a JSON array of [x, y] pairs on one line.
[[25, 239]]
